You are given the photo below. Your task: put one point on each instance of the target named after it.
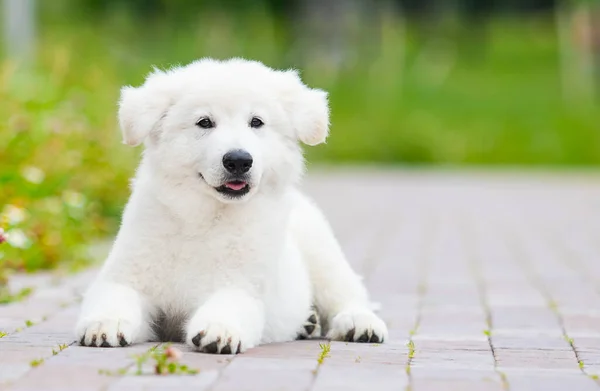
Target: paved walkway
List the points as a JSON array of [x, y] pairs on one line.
[[488, 281]]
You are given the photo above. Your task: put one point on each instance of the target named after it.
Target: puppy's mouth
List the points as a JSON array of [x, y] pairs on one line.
[[235, 188]]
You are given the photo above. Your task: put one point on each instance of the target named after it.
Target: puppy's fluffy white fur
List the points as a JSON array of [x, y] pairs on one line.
[[224, 273]]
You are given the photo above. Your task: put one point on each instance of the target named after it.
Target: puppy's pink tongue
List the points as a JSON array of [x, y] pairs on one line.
[[235, 185]]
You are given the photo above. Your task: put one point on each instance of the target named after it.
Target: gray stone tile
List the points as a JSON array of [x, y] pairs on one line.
[[440, 262]]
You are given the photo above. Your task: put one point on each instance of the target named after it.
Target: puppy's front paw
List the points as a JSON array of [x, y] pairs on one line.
[[358, 325], [216, 337], [106, 333]]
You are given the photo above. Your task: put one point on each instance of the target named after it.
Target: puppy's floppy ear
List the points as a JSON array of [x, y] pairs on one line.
[[308, 109], [142, 108]]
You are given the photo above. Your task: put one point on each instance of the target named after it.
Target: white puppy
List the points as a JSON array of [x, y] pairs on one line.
[[217, 246]]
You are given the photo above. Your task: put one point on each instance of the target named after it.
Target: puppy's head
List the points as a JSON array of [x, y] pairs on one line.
[[229, 128]]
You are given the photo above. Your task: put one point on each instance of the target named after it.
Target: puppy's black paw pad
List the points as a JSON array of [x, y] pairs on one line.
[[198, 338], [311, 327], [122, 341], [350, 335], [211, 348], [226, 349]]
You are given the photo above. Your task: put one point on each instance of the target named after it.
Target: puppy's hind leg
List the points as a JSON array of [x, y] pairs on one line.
[[339, 294]]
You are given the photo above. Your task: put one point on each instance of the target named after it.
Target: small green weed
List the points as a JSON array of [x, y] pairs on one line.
[[3, 334], [36, 363], [594, 377], [119, 372], [504, 380], [29, 323], [487, 333], [165, 363], [61, 347], [411, 354], [411, 349], [324, 353]]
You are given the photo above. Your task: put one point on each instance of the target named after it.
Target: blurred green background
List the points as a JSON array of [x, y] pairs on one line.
[[411, 83]]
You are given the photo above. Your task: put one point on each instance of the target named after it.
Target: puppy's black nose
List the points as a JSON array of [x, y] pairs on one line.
[[237, 161]]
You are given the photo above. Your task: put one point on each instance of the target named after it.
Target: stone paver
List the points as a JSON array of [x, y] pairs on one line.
[[487, 281]]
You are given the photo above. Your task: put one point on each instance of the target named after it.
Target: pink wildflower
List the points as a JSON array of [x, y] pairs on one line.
[[172, 353]]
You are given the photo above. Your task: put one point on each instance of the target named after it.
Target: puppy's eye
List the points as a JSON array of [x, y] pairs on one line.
[[256, 122], [205, 123]]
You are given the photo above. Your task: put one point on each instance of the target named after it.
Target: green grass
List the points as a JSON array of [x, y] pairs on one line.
[[8, 297], [324, 352], [65, 173]]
